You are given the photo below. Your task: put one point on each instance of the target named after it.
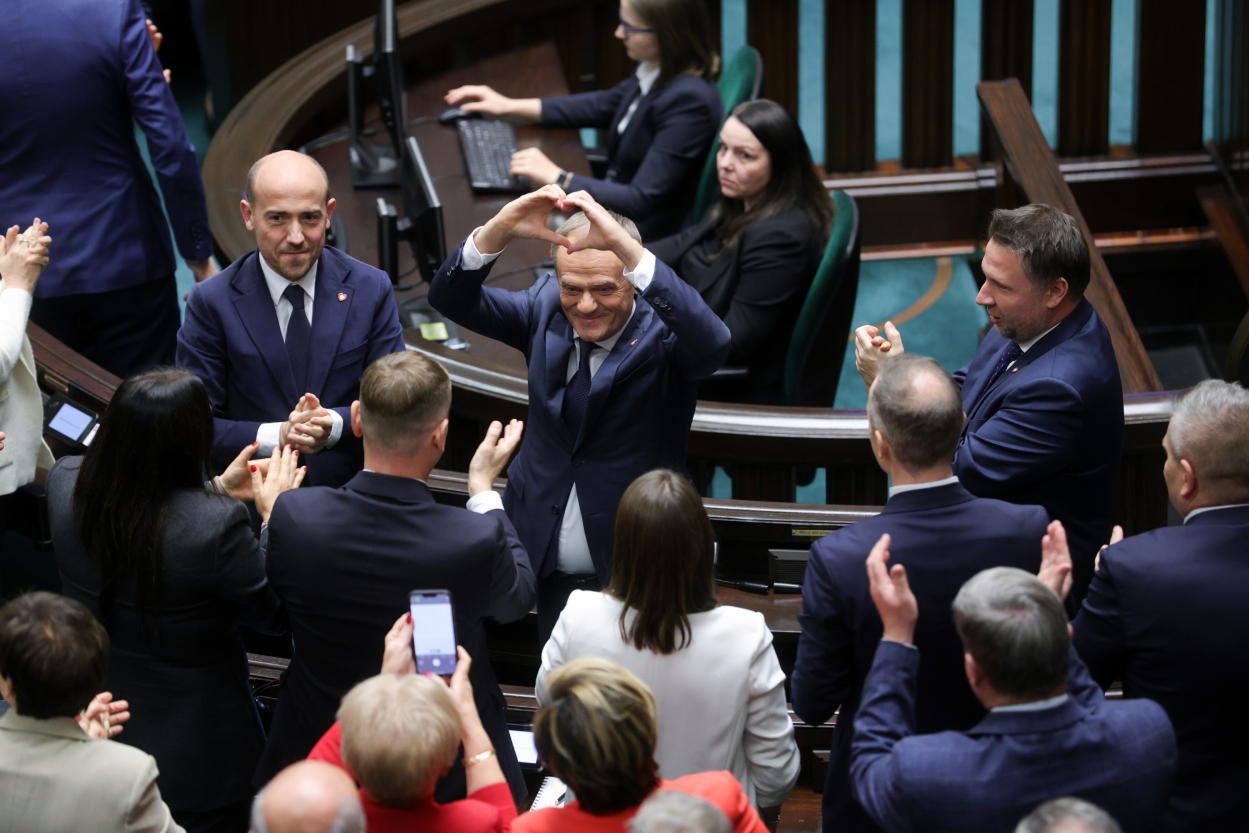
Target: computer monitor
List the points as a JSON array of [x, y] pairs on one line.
[[421, 223], [376, 165]]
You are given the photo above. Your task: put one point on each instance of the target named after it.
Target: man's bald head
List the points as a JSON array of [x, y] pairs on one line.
[[308, 797], [281, 165], [916, 406]]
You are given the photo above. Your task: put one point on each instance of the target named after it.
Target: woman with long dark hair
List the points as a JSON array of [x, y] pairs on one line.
[[167, 560], [715, 677], [659, 123], [753, 257]]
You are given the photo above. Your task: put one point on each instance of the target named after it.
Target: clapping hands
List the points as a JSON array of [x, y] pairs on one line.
[[103, 718], [891, 593], [23, 256], [308, 427], [492, 455], [871, 348]]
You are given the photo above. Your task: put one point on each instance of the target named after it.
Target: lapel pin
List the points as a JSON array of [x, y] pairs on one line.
[[1015, 369], [342, 296]]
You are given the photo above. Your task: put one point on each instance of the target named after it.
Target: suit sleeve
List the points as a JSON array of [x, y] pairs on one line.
[[513, 587], [1098, 634], [148, 811], [502, 315], [241, 569], [385, 337], [1033, 434], [202, 351], [557, 649], [14, 311], [771, 751], [773, 270], [699, 341], [685, 127], [823, 674], [592, 109], [172, 155], [885, 717]]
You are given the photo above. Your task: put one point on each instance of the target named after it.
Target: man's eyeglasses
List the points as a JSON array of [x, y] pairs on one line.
[[630, 29]]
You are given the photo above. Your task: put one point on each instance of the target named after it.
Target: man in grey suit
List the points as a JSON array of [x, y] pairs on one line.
[[54, 777]]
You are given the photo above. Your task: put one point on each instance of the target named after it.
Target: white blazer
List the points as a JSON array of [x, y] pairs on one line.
[[21, 404], [721, 698]]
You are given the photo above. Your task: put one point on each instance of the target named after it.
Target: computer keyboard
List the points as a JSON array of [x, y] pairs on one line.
[[488, 146]]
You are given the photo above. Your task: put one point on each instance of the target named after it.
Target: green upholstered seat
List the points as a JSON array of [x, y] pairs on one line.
[[818, 344], [740, 81]]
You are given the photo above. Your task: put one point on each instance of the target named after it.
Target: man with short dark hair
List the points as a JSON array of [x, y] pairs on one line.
[[54, 776], [1068, 815], [941, 533], [612, 382], [1165, 613], [343, 560], [283, 335], [1049, 732], [1042, 395]]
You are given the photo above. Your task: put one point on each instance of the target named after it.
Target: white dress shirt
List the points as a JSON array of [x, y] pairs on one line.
[[915, 487], [574, 549], [268, 432], [647, 74], [720, 699], [1203, 509]]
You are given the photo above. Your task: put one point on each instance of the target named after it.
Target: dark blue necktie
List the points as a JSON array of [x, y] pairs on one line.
[[577, 394], [298, 335], [1010, 354]]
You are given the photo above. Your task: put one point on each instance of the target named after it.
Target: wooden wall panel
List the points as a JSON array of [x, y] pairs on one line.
[[1005, 52], [1170, 79], [850, 85], [1084, 77], [927, 83], [772, 28]]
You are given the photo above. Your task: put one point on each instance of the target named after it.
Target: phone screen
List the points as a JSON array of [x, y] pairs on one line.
[[70, 422], [433, 631]]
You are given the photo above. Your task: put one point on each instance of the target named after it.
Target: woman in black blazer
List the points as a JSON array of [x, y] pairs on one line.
[[754, 256], [171, 567], [659, 122]]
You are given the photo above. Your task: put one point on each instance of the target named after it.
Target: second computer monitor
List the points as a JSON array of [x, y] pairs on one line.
[[422, 212]]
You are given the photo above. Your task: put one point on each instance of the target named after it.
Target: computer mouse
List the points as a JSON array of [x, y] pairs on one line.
[[454, 114]]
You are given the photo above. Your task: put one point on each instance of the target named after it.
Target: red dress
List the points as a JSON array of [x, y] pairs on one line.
[[488, 810]]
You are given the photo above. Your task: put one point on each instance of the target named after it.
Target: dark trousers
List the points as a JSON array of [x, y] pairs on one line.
[[553, 593], [124, 331]]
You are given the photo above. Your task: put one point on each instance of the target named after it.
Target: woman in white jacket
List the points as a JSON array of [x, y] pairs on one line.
[[717, 683], [22, 258]]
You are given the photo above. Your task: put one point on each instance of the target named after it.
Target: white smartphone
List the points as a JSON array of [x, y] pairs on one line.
[[433, 631]]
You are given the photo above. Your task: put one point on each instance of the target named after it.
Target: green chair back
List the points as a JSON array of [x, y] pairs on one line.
[[740, 81], [818, 344]]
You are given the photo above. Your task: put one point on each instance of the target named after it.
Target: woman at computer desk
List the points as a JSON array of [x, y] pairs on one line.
[[659, 123], [752, 259]]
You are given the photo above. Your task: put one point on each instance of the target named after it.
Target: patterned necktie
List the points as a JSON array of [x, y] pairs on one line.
[[298, 336], [577, 394], [1010, 354]]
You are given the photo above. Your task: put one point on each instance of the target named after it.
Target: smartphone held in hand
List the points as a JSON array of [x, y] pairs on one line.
[[433, 631]]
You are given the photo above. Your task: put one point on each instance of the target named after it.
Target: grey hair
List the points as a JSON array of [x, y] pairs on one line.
[[1068, 815], [915, 404], [348, 819], [1016, 630], [1210, 428], [1047, 240], [579, 220], [669, 811]]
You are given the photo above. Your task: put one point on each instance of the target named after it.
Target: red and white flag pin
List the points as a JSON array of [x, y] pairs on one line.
[[342, 296]]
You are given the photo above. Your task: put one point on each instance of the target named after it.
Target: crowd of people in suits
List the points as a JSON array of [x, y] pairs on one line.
[[275, 481]]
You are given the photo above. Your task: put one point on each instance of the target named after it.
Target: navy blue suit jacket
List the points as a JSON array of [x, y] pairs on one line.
[[1165, 614], [654, 166], [1120, 756], [944, 536], [343, 561], [77, 75], [1049, 432], [641, 400], [232, 341]]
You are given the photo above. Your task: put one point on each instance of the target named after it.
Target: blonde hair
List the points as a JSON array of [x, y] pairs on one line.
[[596, 731], [400, 734], [403, 396]]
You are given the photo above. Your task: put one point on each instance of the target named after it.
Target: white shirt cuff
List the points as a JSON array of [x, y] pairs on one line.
[[336, 430], [267, 436], [484, 502], [642, 276], [472, 258]]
